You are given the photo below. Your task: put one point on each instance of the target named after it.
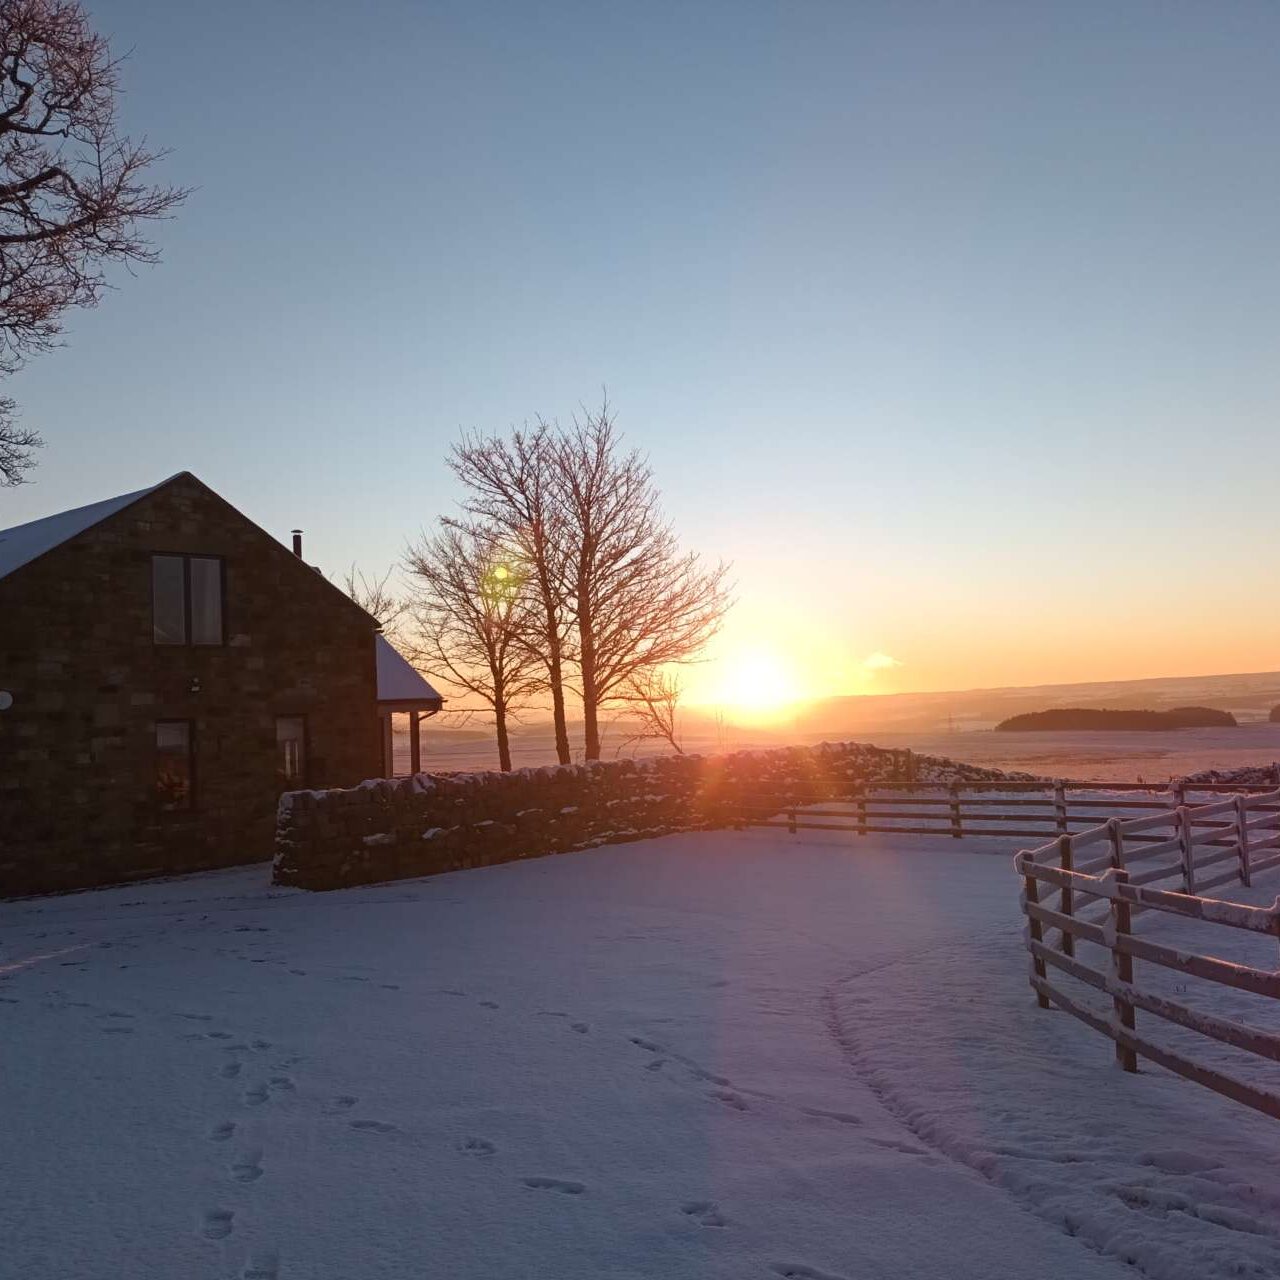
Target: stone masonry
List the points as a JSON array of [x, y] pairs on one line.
[[393, 829], [78, 804]]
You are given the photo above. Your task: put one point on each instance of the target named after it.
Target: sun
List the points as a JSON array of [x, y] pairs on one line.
[[758, 684]]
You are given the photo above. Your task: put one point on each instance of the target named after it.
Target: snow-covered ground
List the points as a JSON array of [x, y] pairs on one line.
[[716, 1056]]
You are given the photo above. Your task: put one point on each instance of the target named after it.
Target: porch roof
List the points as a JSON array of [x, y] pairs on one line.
[[400, 687]]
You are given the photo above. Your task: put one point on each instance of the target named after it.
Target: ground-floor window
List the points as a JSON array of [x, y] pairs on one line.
[[291, 749], [175, 764]]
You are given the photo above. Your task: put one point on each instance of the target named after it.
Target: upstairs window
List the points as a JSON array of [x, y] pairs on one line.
[[291, 749], [175, 765], [186, 599]]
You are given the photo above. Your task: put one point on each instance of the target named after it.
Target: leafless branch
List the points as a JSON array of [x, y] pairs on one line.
[[73, 191], [470, 611]]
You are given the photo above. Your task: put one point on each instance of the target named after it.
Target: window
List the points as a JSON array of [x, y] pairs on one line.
[[175, 764], [291, 748], [186, 599]]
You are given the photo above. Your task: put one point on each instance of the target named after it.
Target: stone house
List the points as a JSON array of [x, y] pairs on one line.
[[167, 669]]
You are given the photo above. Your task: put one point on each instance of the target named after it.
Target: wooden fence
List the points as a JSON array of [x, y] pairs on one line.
[[1200, 848], [996, 808]]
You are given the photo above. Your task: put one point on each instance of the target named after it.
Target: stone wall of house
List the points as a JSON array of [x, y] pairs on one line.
[[393, 829], [78, 800]]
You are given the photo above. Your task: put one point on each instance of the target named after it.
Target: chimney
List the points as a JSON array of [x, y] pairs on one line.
[[297, 543]]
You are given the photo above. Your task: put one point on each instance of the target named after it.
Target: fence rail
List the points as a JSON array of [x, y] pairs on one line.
[[1025, 810], [1242, 834]]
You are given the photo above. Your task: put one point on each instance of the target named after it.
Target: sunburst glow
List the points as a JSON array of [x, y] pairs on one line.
[[758, 685]]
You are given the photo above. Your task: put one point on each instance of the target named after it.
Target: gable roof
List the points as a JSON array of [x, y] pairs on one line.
[[25, 542], [400, 682]]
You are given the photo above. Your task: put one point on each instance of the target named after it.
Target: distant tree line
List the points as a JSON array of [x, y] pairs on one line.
[[560, 581], [1086, 718]]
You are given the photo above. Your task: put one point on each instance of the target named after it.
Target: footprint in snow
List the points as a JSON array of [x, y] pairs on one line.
[[729, 1098], [389, 986], [800, 1271], [217, 1224], [477, 1147], [488, 1004], [248, 1168], [706, 1213], [262, 1266], [256, 1096], [221, 1132], [218, 1035], [580, 1027], [117, 1031], [563, 1185], [229, 1070], [373, 1126], [282, 1083], [261, 1044], [343, 1102], [655, 1065]]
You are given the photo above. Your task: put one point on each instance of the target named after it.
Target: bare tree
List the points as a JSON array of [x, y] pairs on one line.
[[17, 444], [639, 602], [471, 612], [73, 194], [377, 598], [510, 487], [653, 700]]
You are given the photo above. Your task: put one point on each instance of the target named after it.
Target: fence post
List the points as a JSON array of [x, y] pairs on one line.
[[1115, 833], [862, 808], [956, 829], [1060, 805], [791, 820], [1122, 968], [1242, 839], [1035, 931], [1067, 907], [1188, 850], [1178, 790]]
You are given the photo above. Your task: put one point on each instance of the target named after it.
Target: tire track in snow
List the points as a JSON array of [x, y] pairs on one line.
[[933, 1134]]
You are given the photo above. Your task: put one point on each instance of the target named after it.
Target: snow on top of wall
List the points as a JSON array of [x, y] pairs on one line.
[[25, 542], [397, 680]]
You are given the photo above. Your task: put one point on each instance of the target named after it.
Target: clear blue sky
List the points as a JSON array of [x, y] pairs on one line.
[[935, 318]]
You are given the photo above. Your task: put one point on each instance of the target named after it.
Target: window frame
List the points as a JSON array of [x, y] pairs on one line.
[[302, 781], [190, 726], [187, 642]]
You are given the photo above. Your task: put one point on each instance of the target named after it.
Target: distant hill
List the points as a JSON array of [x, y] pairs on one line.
[[1091, 719], [1250, 696]]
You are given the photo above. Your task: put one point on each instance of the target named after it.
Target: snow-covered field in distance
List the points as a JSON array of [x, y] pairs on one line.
[[707, 1057], [1113, 756], [956, 724]]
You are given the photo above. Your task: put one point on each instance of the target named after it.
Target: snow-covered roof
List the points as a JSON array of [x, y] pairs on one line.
[[24, 542], [398, 681]]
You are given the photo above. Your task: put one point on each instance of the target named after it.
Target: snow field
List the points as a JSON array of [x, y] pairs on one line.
[[723, 1055]]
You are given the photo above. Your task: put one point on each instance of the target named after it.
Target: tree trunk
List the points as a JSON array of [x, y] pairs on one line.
[[555, 675], [504, 744], [587, 664]]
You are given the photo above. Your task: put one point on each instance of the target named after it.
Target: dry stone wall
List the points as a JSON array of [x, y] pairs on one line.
[[390, 829]]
